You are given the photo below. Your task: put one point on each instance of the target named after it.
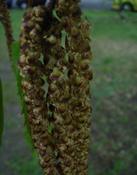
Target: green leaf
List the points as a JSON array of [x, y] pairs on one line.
[[14, 60], [66, 74], [1, 113], [50, 128], [64, 36], [50, 114], [56, 16]]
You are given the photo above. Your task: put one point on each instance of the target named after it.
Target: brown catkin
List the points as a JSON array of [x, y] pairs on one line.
[[5, 19], [57, 48], [32, 73]]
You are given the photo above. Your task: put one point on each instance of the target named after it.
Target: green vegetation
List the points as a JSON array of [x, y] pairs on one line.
[[110, 25], [1, 113], [113, 148]]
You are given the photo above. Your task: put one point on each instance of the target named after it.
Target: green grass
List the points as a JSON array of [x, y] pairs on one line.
[[114, 43], [25, 166], [114, 98], [110, 24]]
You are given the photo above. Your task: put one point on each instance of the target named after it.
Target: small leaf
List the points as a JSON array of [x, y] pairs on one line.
[[50, 114], [63, 38], [1, 113], [50, 128], [66, 74], [14, 61], [56, 16]]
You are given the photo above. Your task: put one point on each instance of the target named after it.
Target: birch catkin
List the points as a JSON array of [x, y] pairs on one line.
[[31, 69], [60, 119]]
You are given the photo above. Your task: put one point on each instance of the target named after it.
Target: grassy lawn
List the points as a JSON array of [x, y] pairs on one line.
[[114, 100], [114, 43]]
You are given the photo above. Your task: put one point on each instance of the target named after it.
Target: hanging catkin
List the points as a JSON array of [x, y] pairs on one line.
[[57, 48], [32, 73], [5, 20]]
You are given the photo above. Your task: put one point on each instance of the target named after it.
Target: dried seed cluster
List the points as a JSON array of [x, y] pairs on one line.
[[5, 19], [59, 120]]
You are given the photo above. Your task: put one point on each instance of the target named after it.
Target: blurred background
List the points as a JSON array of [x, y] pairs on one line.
[[114, 92]]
